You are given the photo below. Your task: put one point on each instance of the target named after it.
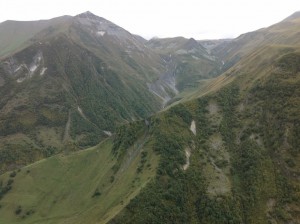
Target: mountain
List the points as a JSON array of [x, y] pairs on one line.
[[67, 83], [187, 63], [280, 34], [230, 152], [17, 34], [227, 151], [250, 55]]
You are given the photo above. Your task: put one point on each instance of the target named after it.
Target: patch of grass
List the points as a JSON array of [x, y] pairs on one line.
[[71, 181]]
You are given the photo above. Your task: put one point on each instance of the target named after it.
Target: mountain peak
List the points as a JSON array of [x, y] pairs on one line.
[[101, 26], [88, 15], [88, 12], [191, 44], [89, 19]]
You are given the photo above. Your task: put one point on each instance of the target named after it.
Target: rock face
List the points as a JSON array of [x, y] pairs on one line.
[[186, 62], [165, 86], [193, 127], [187, 155]]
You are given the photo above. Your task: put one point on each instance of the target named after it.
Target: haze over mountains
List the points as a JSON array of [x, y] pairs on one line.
[[168, 130]]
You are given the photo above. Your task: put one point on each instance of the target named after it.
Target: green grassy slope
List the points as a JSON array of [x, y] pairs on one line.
[[81, 187]]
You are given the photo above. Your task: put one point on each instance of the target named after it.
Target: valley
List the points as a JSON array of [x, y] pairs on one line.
[[98, 125]]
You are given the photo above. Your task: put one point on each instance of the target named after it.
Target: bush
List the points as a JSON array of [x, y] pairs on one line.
[[10, 182], [97, 193], [290, 163], [13, 174], [222, 163], [18, 210]]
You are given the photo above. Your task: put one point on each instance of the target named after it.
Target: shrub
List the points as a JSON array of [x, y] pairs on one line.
[[13, 174], [97, 193], [10, 182], [18, 210]]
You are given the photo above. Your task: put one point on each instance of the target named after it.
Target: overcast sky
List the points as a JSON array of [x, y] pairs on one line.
[[201, 19]]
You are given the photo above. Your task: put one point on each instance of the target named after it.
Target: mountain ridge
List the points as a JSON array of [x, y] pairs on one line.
[[83, 76], [225, 149], [57, 77]]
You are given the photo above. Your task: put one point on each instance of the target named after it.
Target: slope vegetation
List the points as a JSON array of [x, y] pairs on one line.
[[244, 162], [83, 187], [76, 80]]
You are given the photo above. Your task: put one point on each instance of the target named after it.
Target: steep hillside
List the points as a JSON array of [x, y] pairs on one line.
[[248, 57], [83, 187], [229, 157], [77, 79], [240, 161]]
